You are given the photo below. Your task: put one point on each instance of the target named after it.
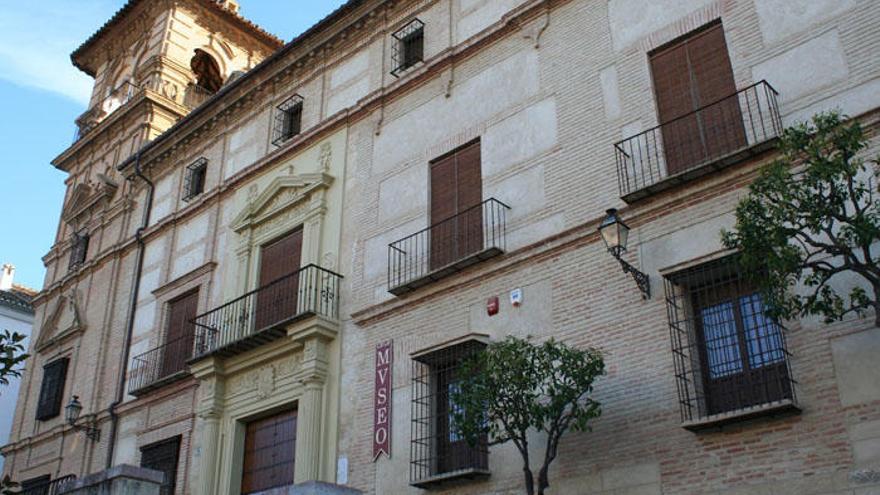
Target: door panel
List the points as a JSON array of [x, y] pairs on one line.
[[443, 209], [470, 195], [675, 101], [456, 217], [277, 301], [180, 334], [269, 456]]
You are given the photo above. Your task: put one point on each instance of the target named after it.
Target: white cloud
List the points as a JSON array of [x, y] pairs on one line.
[[36, 39]]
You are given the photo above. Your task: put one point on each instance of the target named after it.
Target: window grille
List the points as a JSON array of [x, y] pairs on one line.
[[163, 457], [194, 180], [437, 450], [78, 251], [729, 356], [288, 120], [52, 389], [408, 47], [45, 485]]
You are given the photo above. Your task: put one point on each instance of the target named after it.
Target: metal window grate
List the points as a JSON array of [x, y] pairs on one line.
[[436, 449], [288, 120], [78, 251], [408, 47], [729, 356], [194, 180], [163, 456]]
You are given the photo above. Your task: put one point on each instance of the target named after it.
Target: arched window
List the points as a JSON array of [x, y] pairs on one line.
[[207, 71]]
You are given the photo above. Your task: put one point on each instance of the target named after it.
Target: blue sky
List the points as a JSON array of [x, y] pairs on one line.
[[41, 94]]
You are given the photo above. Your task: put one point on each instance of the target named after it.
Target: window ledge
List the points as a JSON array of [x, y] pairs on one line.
[[705, 168], [454, 477], [716, 421]]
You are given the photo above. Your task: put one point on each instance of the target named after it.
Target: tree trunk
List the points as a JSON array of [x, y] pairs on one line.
[[530, 480], [543, 482]]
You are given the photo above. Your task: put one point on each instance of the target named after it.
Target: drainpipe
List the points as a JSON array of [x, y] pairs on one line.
[[129, 330]]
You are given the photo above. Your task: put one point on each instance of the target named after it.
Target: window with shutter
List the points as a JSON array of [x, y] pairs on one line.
[[180, 333], [456, 214], [52, 389], [163, 456], [269, 453], [279, 264], [78, 251], [696, 99]]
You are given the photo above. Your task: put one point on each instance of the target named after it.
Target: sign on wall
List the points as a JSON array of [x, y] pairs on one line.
[[382, 400]]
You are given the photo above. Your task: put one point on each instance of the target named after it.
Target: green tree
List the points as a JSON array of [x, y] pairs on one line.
[[514, 386], [810, 216], [12, 356]]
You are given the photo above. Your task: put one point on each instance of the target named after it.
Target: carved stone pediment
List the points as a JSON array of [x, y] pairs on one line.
[[64, 321], [281, 195], [85, 196]]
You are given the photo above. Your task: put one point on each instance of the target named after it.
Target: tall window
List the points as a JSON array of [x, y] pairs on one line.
[[180, 333], [730, 354], [456, 214], [194, 180], [438, 448], [52, 389], [78, 250], [409, 46], [288, 120], [163, 457], [269, 453], [696, 99]]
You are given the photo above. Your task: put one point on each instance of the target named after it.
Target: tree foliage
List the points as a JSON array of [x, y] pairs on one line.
[[12, 355], [811, 215], [514, 386]]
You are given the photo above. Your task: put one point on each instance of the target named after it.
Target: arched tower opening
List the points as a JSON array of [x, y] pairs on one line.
[[207, 71]]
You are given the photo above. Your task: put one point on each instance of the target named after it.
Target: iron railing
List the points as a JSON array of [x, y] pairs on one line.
[[101, 110], [53, 487], [717, 133], [447, 246], [156, 365], [438, 450], [730, 358], [260, 315]]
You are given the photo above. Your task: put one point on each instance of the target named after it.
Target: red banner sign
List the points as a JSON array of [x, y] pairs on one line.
[[382, 400]]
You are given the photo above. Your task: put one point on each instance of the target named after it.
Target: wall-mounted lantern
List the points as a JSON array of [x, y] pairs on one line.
[[71, 413], [615, 233]]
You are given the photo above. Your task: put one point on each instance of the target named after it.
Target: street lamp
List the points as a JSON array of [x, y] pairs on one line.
[[615, 234], [71, 413]]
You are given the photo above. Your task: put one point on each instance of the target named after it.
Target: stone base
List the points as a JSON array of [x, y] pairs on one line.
[[312, 488], [119, 480]]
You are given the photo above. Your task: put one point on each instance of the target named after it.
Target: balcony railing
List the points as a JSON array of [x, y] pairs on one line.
[[448, 246], [52, 487], [195, 95], [260, 315], [100, 111], [719, 134], [158, 366]]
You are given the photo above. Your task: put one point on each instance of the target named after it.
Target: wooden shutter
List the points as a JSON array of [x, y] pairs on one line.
[[52, 389], [456, 215], [180, 333], [270, 453], [163, 456], [690, 75], [277, 300]]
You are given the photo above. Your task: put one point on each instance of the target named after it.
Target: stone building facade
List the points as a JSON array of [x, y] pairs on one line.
[[251, 238]]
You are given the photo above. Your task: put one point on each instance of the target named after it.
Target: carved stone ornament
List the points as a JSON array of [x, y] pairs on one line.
[[264, 382], [64, 321], [282, 194], [326, 157], [85, 197]]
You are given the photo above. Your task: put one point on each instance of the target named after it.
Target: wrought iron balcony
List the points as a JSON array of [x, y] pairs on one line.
[[159, 366], [260, 316], [448, 246], [104, 108], [712, 137], [53, 487]]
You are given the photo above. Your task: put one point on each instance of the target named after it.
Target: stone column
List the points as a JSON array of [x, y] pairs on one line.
[[209, 410], [208, 448]]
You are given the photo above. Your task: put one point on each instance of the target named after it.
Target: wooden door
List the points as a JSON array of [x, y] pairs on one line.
[[180, 333], [269, 453], [279, 280], [456, 212], [696, 100]]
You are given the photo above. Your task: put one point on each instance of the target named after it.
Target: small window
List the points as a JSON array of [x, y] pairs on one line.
[[163, 457], [288, 120], [439, 452], [52, 389], [78, 251], [409, 48], [194, 182], [730, 355]]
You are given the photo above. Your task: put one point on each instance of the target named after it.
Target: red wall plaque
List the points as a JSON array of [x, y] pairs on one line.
[[382, 400]]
